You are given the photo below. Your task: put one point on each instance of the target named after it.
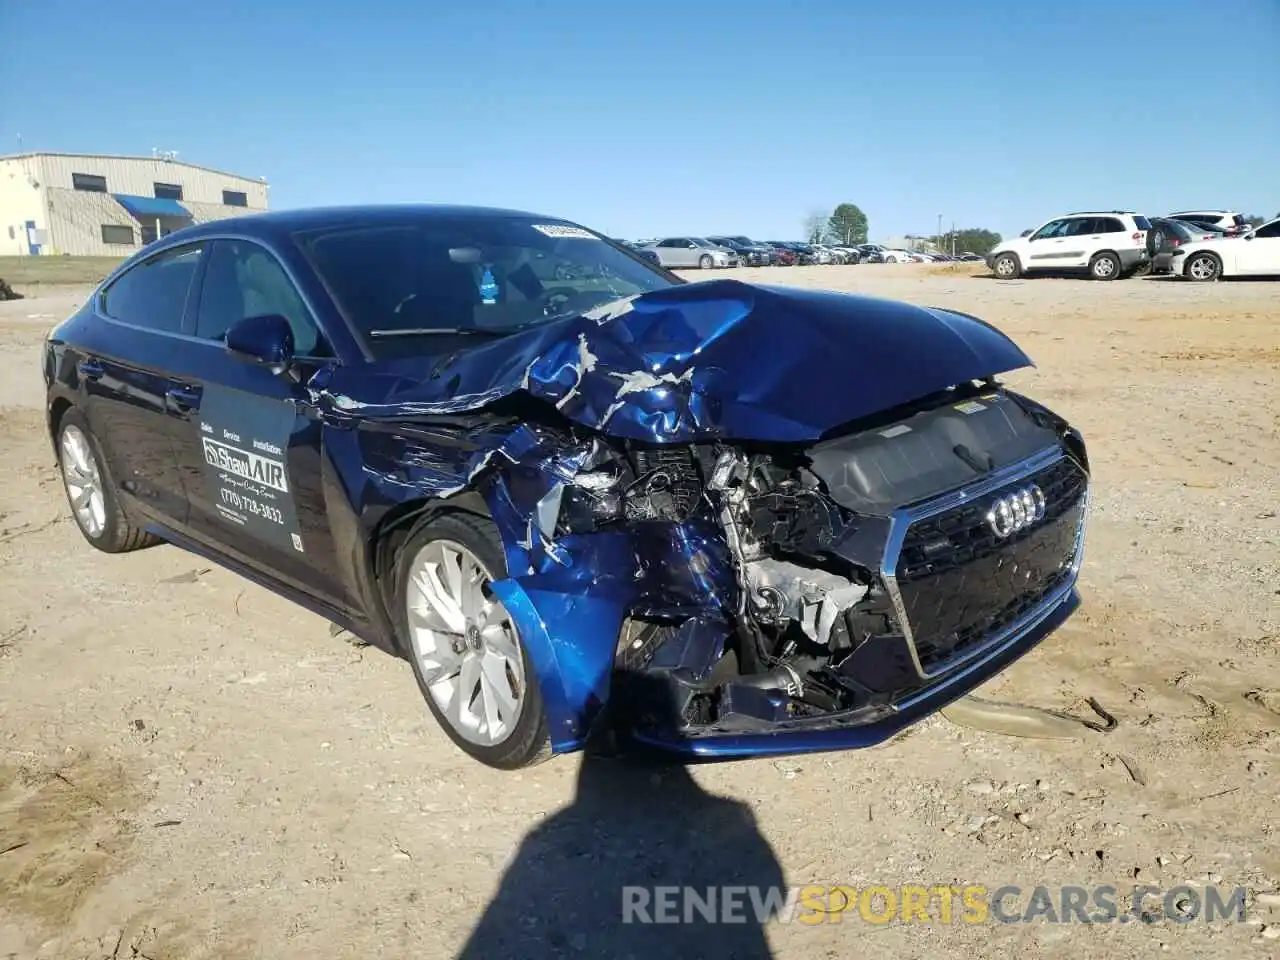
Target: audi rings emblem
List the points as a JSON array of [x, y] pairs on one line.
[[1016, 511]]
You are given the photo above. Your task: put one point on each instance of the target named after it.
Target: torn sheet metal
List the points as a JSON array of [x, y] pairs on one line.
[[698, 361]]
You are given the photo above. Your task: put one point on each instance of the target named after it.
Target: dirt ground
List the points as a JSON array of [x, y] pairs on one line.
[[191, 767]]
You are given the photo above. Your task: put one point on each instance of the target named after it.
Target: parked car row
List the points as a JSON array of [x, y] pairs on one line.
[[1197, 244], [721, 251]]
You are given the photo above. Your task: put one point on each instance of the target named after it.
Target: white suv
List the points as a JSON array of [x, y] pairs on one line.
[[1108, 245], [1228, 220]]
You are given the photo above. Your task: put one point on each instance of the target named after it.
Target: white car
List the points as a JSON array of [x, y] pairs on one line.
[[1256, 254], [1228, 220], [1108, 244], [898, 256]]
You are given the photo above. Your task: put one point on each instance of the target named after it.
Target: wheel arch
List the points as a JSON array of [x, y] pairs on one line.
[[57, 410], [393, 529]]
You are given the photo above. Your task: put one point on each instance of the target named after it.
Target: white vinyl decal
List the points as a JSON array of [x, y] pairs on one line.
[[564, 230], [245, 442]]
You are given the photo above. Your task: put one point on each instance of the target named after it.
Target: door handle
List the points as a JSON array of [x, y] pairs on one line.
[[90, 369], [184, 398]]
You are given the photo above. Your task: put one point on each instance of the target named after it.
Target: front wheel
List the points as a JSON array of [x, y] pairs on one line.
[[91, 492], [1007, 267], [1105, 266], [463, 645], [706, 263], [1203, 267]]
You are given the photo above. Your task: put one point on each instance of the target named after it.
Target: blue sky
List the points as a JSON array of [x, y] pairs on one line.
[[641, 118]]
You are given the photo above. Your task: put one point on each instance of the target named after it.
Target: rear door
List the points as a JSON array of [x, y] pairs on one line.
[[251, 447], [132, 400]]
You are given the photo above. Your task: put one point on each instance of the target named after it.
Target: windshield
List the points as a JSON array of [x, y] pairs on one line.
[[469, 276]]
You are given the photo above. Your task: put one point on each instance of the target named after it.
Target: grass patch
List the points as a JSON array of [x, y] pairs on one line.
[[28, 271]]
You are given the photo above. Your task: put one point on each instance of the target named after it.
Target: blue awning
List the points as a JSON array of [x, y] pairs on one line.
[[150, 207]]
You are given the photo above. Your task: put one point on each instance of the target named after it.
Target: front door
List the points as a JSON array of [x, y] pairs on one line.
[[251, 449], [1258, 254], [133, 403]]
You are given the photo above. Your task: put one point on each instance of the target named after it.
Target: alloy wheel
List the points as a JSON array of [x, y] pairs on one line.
[[83, 481], [465, 643]]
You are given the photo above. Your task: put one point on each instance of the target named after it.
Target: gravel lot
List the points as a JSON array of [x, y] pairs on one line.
[[191, 767]]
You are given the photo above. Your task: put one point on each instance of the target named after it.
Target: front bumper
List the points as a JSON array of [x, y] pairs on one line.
[[946, 670], [856, 730]]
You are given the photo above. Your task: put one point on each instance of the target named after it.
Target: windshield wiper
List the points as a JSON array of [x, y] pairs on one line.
[[427, 331]]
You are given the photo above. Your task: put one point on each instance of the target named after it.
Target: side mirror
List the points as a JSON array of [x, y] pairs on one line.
[[264, 341]]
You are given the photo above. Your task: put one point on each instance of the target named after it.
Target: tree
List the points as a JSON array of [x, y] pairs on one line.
[[847, 225], [969, 240], [1255, 220], [815, 227]]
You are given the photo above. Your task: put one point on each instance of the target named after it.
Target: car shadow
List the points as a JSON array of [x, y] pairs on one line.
[[588, 879]]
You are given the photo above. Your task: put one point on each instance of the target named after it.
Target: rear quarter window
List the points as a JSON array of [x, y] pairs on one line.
[[1142, 223], [153, 294]]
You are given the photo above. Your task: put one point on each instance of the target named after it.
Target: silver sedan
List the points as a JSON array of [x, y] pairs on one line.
[[692, 252]]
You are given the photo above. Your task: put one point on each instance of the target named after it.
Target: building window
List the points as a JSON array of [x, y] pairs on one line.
[[235, 198], [89, 181], [117, 233], [168, 191]]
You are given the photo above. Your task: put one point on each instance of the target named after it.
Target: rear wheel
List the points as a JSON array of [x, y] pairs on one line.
[[91, 492], [1104, 266], [1203, 267], [1007, 267], [463, 645]]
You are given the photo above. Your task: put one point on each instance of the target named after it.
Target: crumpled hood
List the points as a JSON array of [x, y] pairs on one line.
[[696, 361]]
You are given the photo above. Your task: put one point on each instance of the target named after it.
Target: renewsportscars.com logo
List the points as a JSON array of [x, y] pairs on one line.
[[246, 464], [933, 904]]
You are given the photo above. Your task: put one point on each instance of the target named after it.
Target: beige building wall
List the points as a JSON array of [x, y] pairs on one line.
[[40, 188], [20, 202]]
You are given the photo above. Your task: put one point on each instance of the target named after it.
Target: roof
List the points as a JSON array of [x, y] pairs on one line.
[[279, 223], [116, 156]]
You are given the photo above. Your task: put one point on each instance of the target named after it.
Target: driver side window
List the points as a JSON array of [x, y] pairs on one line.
[[243, 280], [1051, 229]]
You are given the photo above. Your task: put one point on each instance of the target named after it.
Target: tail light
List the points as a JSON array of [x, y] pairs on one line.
[[1138, 236]]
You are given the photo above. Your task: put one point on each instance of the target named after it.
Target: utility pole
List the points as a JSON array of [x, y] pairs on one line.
[[938, 242]]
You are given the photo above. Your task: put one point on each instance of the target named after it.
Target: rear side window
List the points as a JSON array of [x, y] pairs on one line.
[[244, 280], [154, 293], [1108, 225], [1269, 231]]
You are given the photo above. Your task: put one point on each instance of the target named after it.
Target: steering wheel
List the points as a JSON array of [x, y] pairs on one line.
[[554, 299]]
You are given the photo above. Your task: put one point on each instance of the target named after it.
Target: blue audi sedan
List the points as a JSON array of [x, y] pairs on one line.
[[578, 494]]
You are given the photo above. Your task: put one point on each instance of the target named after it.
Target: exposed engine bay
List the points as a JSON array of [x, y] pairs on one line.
[[808, 626]]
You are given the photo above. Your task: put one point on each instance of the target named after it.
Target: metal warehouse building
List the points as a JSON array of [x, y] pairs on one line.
[[90, 205]]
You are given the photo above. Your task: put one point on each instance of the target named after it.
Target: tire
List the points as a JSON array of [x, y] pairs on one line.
[[1007, 267], [86, 480], [1202, 267], [1104, 266], [705, 262], [526, 739]]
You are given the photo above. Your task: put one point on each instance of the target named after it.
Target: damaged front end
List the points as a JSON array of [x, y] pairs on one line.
[[731, 599], [820, 588]]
